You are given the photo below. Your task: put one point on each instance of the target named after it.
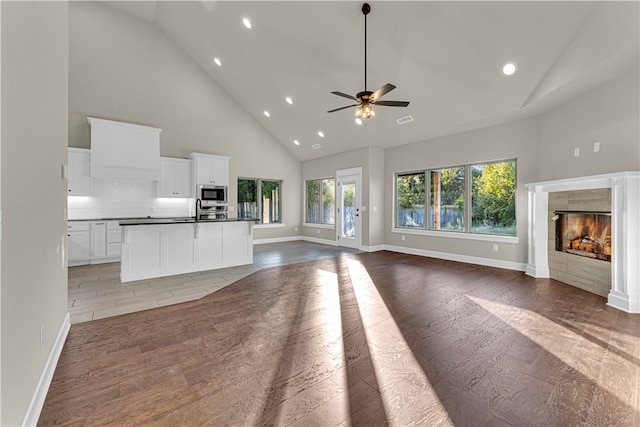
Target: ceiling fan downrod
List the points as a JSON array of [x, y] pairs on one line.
[[366, 8]]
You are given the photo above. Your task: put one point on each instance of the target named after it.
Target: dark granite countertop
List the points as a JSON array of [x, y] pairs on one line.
[[183, 220]]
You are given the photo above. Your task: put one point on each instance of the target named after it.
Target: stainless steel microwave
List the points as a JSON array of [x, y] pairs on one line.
[[211, 194]]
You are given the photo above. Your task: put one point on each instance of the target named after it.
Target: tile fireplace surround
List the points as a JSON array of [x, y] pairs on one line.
[[625, 224]]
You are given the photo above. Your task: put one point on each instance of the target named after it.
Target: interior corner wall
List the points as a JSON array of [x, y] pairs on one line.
[[123, 68], [326, 167], [34, 136], [609, 115], [376, 204]]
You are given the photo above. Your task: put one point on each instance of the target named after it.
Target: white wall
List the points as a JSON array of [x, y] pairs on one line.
[[125, 69], [609, 115], [34, 146]]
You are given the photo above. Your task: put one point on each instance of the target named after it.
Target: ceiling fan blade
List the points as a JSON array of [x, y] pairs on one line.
[[345, 95], [342, 108], [384, 89], [392, 103]]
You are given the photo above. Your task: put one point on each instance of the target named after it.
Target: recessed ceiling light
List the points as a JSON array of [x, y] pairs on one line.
[[321, 134], [295, 141], [289, 100], [509, 69], [247, 23], [316, 146], [358, 121], [218, 62], [266, 113]]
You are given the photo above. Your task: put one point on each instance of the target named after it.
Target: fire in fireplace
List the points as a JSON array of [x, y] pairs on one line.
[[586, 234]]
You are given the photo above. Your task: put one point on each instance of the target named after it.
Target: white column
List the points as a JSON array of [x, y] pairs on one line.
[[625, 222], [538, 260]]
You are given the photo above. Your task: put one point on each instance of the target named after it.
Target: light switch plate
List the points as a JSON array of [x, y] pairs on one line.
[[596, 147], [576, 152]]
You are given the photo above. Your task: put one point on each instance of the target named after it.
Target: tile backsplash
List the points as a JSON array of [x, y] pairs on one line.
[[123, 198]]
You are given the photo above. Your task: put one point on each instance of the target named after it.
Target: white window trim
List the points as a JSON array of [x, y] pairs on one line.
[[458, 235], [270, 225], [314, 225]]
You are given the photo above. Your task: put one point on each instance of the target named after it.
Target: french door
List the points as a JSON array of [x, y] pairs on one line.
[[349, 203]]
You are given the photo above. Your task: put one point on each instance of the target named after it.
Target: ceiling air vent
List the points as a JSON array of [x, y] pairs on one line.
[[316, 146], [404, 120]]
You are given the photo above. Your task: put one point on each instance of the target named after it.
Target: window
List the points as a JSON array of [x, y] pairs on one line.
[[267, 207], [477, 198], [410, 200], [446, 199], [493, 198], [321, 201]]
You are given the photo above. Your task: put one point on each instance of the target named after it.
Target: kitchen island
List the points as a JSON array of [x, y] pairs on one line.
[[156, 247]]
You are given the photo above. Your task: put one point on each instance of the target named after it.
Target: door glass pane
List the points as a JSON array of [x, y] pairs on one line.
[[349, 210]]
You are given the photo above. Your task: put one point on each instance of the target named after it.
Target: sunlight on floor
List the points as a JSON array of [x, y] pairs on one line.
[[554, 338], [412, 382]]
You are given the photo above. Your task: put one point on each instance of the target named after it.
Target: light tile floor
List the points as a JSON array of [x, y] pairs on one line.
[[95, 291]]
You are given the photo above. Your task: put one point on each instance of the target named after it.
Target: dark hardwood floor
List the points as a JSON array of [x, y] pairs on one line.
[[366, 339]]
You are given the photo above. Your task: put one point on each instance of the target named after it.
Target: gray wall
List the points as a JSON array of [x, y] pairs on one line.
[[517, 140], [34, 147], [371, 159], [610, 115], [544, 147], [123, 68]]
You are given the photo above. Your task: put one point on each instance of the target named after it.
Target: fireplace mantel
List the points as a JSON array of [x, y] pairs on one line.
[[625, 222]]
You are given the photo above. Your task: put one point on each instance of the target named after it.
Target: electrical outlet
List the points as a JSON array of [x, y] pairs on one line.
[[495, 248], [403, 238], [318, 231], [296, 229], [42, 335], [596, 147], [576, 152]]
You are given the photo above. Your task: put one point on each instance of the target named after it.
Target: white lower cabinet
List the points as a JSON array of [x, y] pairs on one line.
[[78, 242], [98, 239], [93, 242], [105, 241]]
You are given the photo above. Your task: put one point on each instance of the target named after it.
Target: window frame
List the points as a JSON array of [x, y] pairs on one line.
[[467, 233], [305, 198], [259, 206]]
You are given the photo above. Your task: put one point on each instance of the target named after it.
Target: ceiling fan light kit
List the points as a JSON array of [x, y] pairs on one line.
[[366, 99]]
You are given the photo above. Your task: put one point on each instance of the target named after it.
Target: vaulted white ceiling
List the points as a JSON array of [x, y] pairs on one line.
[[444, 57]]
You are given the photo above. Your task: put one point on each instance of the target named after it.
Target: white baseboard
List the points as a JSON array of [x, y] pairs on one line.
[[375, 248], [37, 401], [508, 265], [277, 240], [321, 241]]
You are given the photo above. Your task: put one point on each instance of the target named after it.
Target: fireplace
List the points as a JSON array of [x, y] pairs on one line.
[[623, 292], [586, 234]]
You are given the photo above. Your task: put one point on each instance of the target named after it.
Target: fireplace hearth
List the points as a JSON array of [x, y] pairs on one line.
[[586, 234]]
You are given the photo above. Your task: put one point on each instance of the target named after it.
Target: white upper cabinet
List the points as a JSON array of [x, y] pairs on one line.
[[124, 150], [78, 176], [210, 169], [175, 178]]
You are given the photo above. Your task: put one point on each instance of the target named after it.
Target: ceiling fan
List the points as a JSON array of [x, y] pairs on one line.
[[366, 99]]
